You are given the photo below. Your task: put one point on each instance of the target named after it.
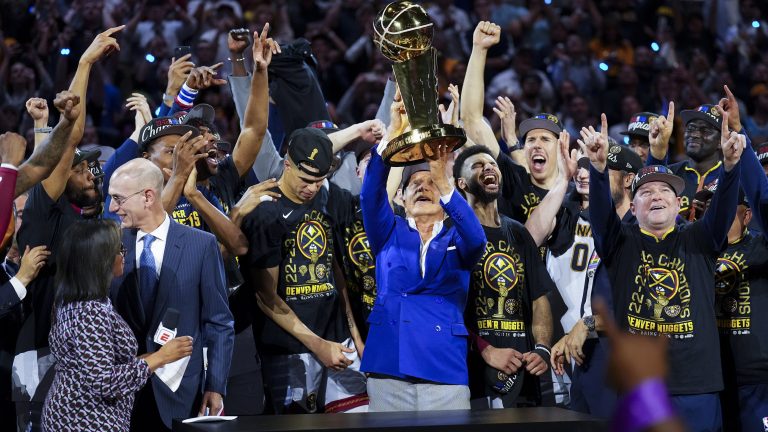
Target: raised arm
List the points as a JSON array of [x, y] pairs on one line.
[[541, 222], [658, 137], [485, 36], [102, 45], [226, 232], [257, 110], [471, 242], [755, 185], [49, 153], [718, 218], [605, 223], [38, 110]]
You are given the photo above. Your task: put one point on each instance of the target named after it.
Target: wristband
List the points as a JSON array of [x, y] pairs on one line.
[[645, 405], [46, 129], [186, 97], [544, 352]]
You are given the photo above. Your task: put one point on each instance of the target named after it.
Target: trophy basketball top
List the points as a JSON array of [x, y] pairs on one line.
[[402, 31]]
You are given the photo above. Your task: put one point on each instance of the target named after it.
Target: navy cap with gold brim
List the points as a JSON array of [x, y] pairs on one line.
[[545, 121], [660, 173], [311, 147], [708, 113]]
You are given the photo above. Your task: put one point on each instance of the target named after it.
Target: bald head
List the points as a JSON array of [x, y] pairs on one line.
[[136, 189], [140, 174]]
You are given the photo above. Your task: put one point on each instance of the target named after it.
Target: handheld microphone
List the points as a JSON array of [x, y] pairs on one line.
[[167, 328]]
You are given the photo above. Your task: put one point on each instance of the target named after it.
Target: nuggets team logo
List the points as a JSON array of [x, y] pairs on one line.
[[727, 275], [312, 242], [663, 286], [499, 273], [651, 119], [311, 239], [360, 252]]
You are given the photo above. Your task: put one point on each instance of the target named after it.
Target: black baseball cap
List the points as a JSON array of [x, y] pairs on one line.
[[326, 126], [762, 153], [311, 147], [85, 155], [640, 124], [622, 158], [660, 173], [545, 121], [162, 126], [708, 113], [709, 190], [203, 112], [410, 170]]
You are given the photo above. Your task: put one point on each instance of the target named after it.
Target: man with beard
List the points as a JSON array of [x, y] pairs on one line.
[[66, 196], [702, 146], [521, 192], [508, 308]]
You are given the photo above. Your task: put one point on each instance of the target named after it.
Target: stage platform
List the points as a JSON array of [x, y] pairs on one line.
[[518, 420]]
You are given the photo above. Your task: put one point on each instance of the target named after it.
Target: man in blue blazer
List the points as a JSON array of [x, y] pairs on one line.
[[170, 266], [416, 352]]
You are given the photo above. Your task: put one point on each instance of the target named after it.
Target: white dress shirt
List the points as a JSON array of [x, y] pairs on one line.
[[158, 245], [435, 231]]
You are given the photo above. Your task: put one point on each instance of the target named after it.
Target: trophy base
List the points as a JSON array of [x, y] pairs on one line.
[[420, 144]]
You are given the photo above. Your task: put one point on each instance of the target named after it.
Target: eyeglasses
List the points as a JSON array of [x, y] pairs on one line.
[[121, 200], [123, 250]]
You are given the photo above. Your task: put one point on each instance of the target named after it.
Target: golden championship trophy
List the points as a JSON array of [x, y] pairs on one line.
[[403, 33], [503, 293]]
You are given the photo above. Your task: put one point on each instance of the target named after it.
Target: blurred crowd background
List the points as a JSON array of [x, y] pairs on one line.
[[572, 58]]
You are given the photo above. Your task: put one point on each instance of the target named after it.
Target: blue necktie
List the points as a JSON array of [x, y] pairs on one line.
[[147, 275]]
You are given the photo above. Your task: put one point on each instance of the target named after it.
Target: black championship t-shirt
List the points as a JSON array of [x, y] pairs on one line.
[[503, 285], [519, 196], [359, 265], [301, 240], [666, 286], [741, 288]]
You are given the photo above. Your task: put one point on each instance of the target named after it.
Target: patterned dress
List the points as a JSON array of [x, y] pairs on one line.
[[97, 372]]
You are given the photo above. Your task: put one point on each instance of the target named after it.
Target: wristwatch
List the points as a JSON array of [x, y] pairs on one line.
[[589, 321]]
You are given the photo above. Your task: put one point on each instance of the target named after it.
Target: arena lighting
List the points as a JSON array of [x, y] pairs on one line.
[[626, 139], [64, 51], [756, 24], [150, 58], [548, 2], [655, 46], [603, 66]]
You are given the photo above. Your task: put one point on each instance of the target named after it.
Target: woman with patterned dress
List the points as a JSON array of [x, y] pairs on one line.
[[97, 371]]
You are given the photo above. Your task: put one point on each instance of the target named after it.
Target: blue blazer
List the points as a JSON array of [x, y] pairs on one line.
[[192, 282], [417, 323]]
